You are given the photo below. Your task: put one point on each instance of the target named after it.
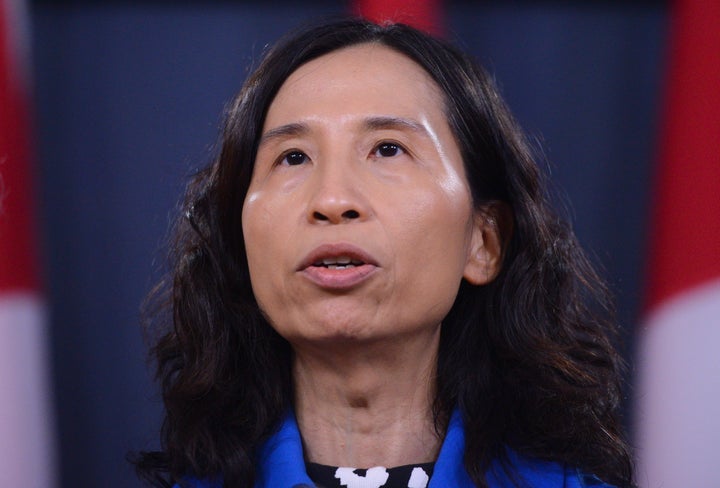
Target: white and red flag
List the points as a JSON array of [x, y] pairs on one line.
[[26, 441], [677, 416]]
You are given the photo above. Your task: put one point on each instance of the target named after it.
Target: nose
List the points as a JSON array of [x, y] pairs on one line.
[[337, 195]]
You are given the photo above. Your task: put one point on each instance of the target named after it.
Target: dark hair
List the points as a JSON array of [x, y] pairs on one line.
[[527, 359]]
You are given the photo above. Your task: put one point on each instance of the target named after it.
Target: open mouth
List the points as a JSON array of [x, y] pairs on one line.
[[342, 262], [338, 267]]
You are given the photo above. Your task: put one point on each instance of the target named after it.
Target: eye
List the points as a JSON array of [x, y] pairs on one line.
[[388, 150], [293, 158]]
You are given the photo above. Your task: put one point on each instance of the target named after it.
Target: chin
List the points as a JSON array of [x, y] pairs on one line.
[[341, 331]]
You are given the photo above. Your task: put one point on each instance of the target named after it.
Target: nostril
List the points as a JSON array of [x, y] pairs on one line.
[[334, 217]]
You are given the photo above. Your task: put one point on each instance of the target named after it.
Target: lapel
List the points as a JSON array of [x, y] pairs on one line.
[[449, 469], [281, 458], [281, 463]]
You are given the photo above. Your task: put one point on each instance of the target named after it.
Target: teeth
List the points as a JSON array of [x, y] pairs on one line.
[[340, 262], [339, 266], [343, 260]]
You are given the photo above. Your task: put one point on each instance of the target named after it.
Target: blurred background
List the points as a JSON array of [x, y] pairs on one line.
[[126, 99]]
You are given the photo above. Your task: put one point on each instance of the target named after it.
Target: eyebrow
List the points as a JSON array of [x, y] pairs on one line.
[[395, 123], [288, 130], [296, 129]]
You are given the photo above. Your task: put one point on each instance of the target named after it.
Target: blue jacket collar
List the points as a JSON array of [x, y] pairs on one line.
[[281, 459], [281, 464]]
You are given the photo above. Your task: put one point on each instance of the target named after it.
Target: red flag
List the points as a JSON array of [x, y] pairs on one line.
[[26, 453], [18, 257], [678, 397], [426, 15]]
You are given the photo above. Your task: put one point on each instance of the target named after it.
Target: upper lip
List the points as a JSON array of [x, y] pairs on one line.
[[335, 251]]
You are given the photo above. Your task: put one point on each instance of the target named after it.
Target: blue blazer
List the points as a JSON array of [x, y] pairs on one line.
[[281, 465]]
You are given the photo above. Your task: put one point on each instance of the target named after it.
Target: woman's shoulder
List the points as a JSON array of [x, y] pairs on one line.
[[519, 470], [584, 480]]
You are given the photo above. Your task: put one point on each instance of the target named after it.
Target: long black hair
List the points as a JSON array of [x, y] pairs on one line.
[[527, 359]]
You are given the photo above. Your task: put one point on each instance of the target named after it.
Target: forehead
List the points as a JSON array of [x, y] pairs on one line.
[[370, 78]]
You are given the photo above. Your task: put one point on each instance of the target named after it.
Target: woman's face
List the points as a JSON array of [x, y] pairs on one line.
[[358, 222]]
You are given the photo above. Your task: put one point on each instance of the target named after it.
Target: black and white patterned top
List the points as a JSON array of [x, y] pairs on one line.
[[409, 476]]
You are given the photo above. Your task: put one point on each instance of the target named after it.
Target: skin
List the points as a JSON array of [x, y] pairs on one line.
[[357, 159]]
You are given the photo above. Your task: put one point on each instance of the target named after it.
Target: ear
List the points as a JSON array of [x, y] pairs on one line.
[[492, 228]]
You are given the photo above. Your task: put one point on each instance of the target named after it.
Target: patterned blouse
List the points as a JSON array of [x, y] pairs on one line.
[[409, 476]]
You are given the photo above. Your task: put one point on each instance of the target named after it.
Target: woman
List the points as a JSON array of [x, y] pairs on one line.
[[370, 289]]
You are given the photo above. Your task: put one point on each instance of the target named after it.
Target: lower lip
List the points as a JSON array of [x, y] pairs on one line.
[[338, 279]]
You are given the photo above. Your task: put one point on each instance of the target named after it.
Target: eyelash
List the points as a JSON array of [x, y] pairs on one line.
[[398, 149]]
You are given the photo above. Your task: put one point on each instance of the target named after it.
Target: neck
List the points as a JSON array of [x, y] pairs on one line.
[[366, 405]]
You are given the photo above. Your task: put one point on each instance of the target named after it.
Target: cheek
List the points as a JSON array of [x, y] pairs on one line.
[[441, 220], [264, 222], [252, 228], [260, 237], [434, 239], [431, 263]]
